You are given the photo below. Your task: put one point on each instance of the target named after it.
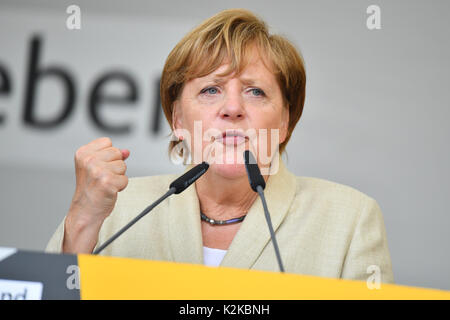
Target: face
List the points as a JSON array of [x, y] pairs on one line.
[[220, 117]]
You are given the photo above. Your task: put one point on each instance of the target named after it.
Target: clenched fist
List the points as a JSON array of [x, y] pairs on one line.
[[100, 174]]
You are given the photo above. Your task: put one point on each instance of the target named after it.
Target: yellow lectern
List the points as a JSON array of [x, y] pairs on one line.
[[124, 278]]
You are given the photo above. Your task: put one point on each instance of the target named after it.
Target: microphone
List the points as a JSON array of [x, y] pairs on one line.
[[181, 183], [258, 185], [254, 175], [176, 187]]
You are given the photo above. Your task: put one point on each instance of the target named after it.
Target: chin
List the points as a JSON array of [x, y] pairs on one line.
[[227, 163], [229, 170]]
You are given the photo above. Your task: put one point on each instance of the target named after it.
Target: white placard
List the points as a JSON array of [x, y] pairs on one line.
[[20, 290], [6, 252], [130, 53]]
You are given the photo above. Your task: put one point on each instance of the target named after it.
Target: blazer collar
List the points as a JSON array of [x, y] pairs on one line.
[[253, 235]]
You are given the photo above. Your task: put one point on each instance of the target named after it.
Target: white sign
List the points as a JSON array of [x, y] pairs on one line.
[[20, 290], [60, 89], [6, 252]]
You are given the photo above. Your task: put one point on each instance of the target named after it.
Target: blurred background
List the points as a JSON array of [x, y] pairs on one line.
[[375, 117]]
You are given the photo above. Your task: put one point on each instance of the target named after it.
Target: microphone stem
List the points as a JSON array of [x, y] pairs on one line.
[[260, 191], [136, 219]]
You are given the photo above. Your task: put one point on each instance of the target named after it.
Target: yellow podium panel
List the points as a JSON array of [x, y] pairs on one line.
[[124, 278]]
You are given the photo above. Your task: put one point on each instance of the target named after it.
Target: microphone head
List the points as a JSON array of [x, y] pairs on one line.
[[184, 181], [254, 175]]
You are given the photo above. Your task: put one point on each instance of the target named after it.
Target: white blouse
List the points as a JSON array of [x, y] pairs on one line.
[[213, 257]]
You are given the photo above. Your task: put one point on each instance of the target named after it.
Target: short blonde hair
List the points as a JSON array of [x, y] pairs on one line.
[[228, 36]]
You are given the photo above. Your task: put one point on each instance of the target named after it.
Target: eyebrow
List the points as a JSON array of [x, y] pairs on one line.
[[246, 81], [219, 80]]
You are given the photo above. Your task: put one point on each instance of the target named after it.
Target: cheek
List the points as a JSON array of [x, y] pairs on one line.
[[271, 118], [201, 131], [270, 131]]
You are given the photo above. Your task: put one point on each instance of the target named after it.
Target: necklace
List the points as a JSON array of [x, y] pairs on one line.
[[221, 222]]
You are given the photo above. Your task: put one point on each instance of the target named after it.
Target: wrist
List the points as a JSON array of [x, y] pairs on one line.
[[80, 232]]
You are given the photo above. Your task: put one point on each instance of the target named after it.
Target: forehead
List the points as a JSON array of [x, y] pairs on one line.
[[227, 61], [255, 71]]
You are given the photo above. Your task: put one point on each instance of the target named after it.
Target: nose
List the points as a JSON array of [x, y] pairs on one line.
[[233, 107]]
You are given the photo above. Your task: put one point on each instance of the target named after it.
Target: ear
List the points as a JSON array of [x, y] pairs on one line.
[[284, 128], [176, 116]]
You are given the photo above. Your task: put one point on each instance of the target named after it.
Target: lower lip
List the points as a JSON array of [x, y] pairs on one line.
[[232, 140]]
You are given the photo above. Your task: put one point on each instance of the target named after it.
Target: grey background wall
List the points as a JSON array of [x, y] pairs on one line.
[[375, 118]]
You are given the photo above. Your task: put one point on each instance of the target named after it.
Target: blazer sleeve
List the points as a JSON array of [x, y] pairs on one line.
[[56, 241], [368, 251]]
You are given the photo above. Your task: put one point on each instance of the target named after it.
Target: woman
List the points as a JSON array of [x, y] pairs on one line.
[[227, 86]]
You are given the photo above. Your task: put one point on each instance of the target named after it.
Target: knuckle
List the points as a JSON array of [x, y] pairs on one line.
[[80, 153], [96, 172], [117, 152], [121, 166], [124, 183], [107, 184], [106, 141], [105, 180], [88, 161]]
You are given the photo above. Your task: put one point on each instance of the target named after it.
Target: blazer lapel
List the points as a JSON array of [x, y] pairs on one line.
[[185, 226], [253, 235]]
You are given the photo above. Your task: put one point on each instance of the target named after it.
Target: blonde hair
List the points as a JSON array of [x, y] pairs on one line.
[[229, 36]]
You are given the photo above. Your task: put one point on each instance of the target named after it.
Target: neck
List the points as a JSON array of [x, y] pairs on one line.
[[222, 199]]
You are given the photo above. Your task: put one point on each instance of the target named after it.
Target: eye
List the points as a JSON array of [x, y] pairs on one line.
[[210, 90], [257, 92]]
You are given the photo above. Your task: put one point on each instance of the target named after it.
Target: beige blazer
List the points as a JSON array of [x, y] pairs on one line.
[[322, 228]]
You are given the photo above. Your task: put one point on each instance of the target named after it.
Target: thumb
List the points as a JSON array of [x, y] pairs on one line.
[[125, 153]]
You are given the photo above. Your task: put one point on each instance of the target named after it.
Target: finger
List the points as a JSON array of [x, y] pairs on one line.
[[96, 145], [112, 183], [108, 154], [117, 167], [125, 153], [100, 143], [120, 182], [92, 147]]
